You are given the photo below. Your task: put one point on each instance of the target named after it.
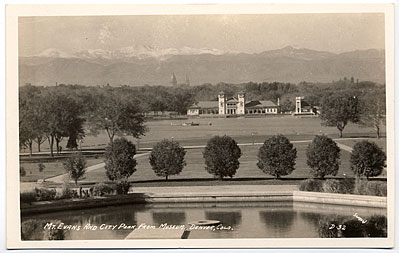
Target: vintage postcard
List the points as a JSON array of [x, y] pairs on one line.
[[200, 126]]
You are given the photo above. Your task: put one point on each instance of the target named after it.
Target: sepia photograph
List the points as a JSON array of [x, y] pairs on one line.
[[177, 126]]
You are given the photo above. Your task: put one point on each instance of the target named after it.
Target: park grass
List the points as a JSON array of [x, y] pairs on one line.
[[382, 142], [241, 129], [195, 168], [52, 169]]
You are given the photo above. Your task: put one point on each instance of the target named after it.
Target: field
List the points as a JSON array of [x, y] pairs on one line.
[[196, 168], [52, 169], [243, 130]]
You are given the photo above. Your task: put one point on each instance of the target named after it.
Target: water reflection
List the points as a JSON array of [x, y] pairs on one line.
[[278, 220], [226, 218], [248, 220], [174, 218]]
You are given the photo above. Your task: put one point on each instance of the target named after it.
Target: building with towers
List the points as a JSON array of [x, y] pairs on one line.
[[233, 106], [304, 108]]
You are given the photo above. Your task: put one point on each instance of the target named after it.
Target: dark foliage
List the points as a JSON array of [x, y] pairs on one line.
[[221, 156], [367, 159], [277, 156], [167, 158], [119, 159], [323, 157]]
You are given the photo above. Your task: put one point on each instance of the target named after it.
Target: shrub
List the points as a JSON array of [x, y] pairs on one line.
[[41, 167], [353, 228], [323, 157], [373, 188], [376, 226], [57, 234], [367, 159], [33, 230], [27, 197], [326, 230], [101, 190], [43, 194], [221, 156], [122, 187], [28, 228], [331, 186], [277, 156], [76, 166], [68, 193], [311, 185], [119, 159], [346, 185], [22, 171], [167, 158]]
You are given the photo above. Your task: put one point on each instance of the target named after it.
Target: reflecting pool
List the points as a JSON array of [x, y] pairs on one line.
[[238, 220]]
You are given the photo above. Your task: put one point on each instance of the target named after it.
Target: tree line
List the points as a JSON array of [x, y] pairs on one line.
[[276, 157], [72, 111]]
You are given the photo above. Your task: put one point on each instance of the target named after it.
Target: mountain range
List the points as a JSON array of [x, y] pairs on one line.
[[138, 66]]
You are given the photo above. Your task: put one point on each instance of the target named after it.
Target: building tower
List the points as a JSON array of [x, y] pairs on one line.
[[241, 103], [187, 80], [174, 80], [298, 105], [222, 103]]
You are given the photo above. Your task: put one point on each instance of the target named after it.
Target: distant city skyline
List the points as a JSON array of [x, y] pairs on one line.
[[334, 33]]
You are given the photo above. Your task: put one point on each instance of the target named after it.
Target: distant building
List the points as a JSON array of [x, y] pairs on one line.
[[187, 81], [233, 106], [304, 108], [174, 80]]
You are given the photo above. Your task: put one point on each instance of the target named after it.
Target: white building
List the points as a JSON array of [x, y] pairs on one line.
[[233, 106]]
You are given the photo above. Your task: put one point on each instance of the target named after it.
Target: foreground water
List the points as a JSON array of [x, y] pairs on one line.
[[238, 220]]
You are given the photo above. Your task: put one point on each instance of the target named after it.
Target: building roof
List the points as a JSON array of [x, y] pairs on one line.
[[304, 103], [232, 100], [260, 104], [250, 104], [205, 104]]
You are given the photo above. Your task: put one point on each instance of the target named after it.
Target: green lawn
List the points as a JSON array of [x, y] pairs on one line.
[[382, 142], [195, 168], [52, 169], [239, 128]]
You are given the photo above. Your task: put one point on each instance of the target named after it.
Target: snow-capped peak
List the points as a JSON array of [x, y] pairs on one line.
[[137, 51], [54, 53]]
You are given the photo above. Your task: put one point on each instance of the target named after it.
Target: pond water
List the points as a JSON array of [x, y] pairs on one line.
[[238, 220]]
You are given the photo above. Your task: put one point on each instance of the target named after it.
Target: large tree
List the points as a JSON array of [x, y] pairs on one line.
[[338, 109], [323, 156], [277, 156], [118, 115], [367, 159], [167, 158], [32, 124], [373, 110], [181, 99], [120, 163], [221, 156], [64, 117]]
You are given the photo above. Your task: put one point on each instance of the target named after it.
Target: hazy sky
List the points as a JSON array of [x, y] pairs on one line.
[[242, 33]]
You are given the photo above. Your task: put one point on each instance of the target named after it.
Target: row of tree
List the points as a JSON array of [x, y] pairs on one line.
[[276, 157], [55, 113], [367, 109]]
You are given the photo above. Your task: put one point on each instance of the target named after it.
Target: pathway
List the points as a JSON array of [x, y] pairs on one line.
[[61, 178]]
